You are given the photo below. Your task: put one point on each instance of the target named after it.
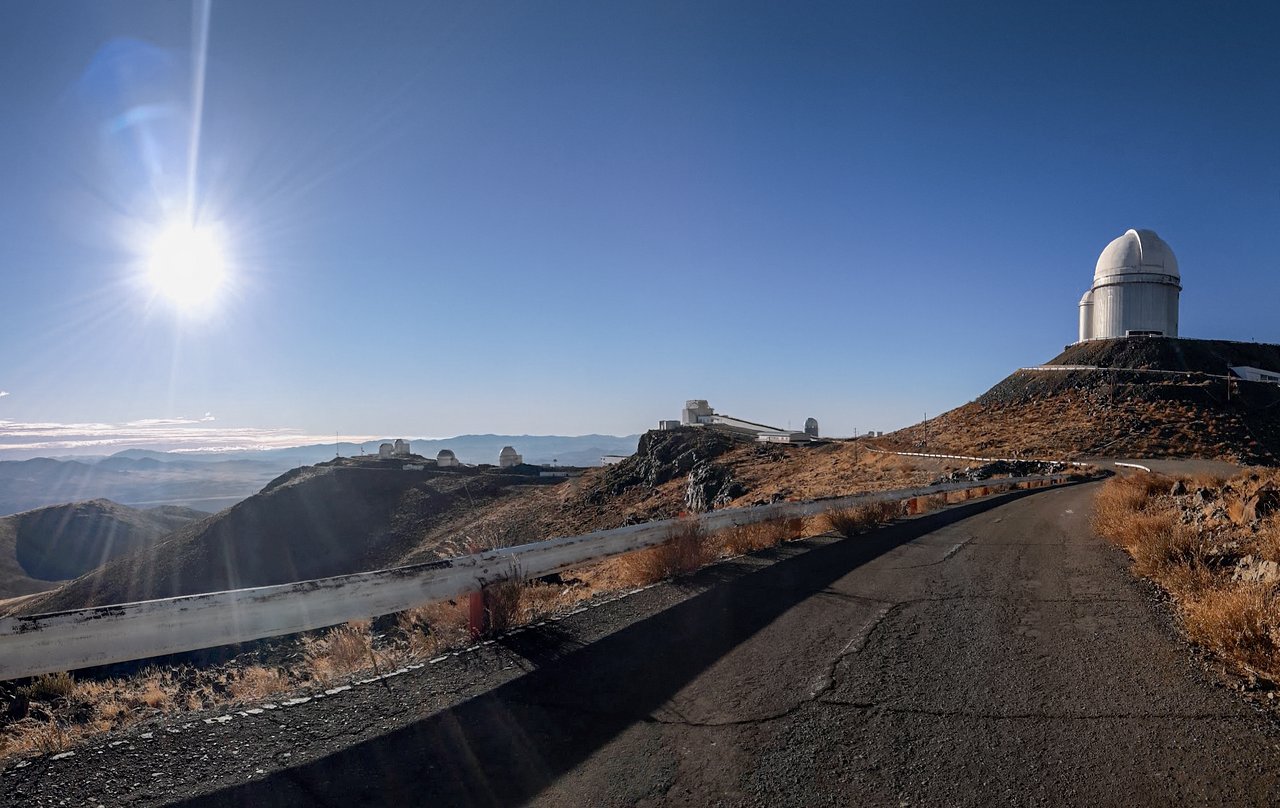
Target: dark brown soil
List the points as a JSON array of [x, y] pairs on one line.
[[1157, 397]]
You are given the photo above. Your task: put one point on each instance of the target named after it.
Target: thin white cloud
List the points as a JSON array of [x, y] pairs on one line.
[[160, 434], [3, 393]]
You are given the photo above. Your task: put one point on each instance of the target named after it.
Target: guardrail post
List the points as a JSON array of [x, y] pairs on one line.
[[477, 614]]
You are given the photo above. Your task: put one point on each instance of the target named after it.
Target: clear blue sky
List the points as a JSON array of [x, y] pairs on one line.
[[562, 217]]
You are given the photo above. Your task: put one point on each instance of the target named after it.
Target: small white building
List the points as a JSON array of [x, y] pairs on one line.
[[400, 448], [696, 411], [447, 459], [613, 460], [1251, 374], [508, 457], [384, 450], [668, 425], [783, 436]]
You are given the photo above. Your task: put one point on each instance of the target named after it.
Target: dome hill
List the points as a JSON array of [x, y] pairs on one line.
[[1139, 397]]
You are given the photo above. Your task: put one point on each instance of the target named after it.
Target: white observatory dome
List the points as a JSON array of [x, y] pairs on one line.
[[1137, 251], [1135, 291]]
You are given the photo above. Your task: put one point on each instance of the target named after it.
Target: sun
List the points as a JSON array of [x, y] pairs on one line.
[[187, 266]]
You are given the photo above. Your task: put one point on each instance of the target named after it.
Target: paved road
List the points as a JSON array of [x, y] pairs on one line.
[[1006, 657]]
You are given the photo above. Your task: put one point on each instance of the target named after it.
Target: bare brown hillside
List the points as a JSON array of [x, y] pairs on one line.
[[347, 515], [360, 514], [1147, 397], [42, 547]]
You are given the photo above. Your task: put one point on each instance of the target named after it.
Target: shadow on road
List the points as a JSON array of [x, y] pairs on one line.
[[505, 746]]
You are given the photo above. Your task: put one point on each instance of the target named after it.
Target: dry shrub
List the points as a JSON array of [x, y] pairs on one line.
[[502, 605], [342, 650], [1122, 504], [687, 550], [539, 600], [435, 628], [850, 522], [1239, 622], [1266, 543], [256, 682], [744, 539], [50, 686], [42, 737]]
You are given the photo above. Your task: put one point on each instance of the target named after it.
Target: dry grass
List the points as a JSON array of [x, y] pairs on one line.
[[1240, 623], [257, 682], [760, 535], [1239, 620], [435, 628], [343, 650], [502, 605], [50, 686], [687, 550], [850, 522]]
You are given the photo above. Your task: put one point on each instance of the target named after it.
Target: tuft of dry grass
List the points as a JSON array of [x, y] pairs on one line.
[[1239, 622], [342, 650], [687, 550], [850, 522], [502, 605], [435, 627], [257, 682], [50, 686], [745, 539]]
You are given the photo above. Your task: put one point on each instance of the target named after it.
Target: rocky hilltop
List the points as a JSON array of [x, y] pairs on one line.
[[1139, 397]]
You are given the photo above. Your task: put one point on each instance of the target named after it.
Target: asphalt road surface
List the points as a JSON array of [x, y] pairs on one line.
[[990, 654]]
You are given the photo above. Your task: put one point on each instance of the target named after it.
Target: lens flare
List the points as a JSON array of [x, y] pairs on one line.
[[187, 266]]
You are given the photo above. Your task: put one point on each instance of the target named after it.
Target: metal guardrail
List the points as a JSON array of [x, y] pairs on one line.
[[32, 645], [977, 459], [1133, 466]]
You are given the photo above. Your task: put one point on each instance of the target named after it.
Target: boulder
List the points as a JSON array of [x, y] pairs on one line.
[[1264, 502], [1251, 569], [1179, 488]]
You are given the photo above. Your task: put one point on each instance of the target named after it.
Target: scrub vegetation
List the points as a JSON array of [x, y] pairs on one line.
[[1214, 546]]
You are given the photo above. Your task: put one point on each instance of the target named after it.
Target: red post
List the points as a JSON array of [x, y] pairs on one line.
[[477, 614]]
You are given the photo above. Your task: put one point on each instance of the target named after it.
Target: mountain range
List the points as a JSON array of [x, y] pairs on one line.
[[213, 481]]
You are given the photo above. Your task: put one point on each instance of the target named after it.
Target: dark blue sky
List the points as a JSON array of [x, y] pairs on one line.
[[569, 217]]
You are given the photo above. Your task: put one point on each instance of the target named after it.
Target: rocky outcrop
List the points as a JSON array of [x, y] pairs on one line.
[[663, 456], [711, 486]]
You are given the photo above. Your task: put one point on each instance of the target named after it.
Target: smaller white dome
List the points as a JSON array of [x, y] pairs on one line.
[[508, 451], [445, 453]]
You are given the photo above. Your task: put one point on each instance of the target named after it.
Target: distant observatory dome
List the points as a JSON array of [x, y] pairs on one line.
[[811, 427], [1135, 291], [509, 457], [446, 458]]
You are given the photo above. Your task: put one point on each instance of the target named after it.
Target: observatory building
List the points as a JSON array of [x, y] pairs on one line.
[[1135, 290], [509, 457]]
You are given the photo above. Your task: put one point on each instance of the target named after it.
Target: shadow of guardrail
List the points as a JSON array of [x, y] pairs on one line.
[[505, 746]]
